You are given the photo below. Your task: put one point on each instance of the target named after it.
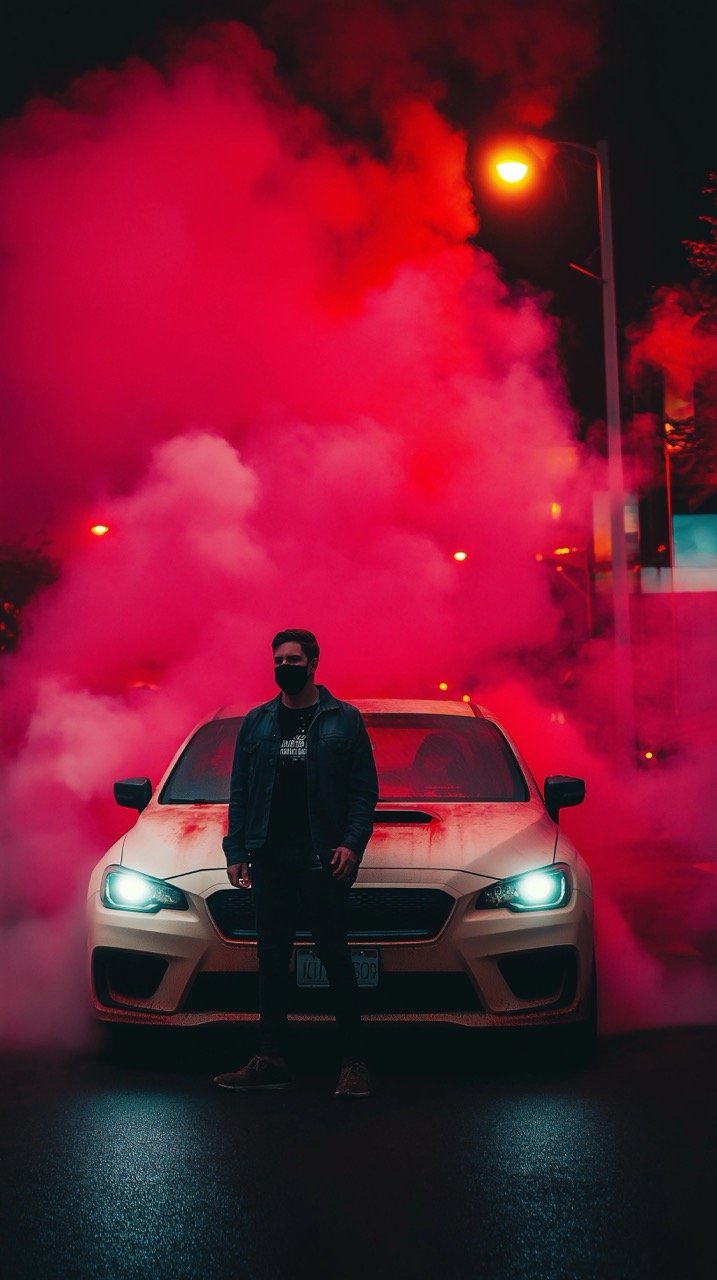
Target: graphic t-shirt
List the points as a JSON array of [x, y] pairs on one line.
[[289, 817]]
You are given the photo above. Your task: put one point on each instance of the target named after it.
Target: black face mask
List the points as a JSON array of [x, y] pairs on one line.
[[290, 678]]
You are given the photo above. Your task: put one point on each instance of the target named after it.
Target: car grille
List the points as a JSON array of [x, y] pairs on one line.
[[396, 993], [376, 915]]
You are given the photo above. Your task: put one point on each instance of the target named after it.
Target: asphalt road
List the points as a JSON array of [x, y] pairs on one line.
[[475, 1157]]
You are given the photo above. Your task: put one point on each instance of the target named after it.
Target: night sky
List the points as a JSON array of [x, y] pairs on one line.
[[649, 95]]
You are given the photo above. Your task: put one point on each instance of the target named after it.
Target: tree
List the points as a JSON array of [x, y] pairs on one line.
[[702, 254], [678, 342]]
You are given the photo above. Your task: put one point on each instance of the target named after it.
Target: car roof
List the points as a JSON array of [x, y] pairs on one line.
[[384, 706]]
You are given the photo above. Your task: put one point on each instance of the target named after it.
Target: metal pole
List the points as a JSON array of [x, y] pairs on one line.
[[671, 553], [624, 700]]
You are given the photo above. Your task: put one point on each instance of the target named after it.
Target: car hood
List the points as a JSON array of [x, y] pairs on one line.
[[492, 840]]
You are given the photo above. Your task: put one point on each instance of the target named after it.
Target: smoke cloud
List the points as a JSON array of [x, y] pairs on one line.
[[521, 58], [262, 353]]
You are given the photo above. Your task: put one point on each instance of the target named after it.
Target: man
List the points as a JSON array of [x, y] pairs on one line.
[[301, 804]]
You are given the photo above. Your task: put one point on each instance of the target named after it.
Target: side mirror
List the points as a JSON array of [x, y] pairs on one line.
[[562, 793], [133, 793]]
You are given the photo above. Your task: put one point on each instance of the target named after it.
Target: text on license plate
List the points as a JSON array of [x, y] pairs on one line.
[[310, 972]]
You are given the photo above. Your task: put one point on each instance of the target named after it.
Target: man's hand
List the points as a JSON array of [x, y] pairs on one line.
[[240, 875], [343, 863]]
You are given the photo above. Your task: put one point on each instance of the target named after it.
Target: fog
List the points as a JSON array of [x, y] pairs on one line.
[[261, 352]]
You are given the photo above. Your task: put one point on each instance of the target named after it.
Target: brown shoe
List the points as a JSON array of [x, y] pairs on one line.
[[259, 1073], [354, 1081]]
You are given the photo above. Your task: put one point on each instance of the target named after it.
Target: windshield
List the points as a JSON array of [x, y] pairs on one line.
[[424, 757], [418, 757]]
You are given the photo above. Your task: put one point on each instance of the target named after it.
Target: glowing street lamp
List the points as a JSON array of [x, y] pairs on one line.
[[99, 530], [512, 170], [625, 710], [512, 162]]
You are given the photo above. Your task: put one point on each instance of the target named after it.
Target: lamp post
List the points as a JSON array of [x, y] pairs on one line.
[[623, 683], [616, 479]]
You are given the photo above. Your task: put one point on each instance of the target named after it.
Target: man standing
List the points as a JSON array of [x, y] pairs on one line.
[[301, 804]]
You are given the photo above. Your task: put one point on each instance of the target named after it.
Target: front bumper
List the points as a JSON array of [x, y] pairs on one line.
[[484, 968]]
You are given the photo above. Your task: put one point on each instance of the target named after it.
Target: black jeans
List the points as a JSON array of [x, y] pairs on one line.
[[281, 883]]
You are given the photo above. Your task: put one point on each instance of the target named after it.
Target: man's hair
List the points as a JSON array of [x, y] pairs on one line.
[[306, 639]]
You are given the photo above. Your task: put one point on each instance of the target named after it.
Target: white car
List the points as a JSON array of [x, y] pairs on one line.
[[470, 906]]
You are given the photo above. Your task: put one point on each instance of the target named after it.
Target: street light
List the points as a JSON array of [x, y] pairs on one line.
[[512, 170], [625, 709]]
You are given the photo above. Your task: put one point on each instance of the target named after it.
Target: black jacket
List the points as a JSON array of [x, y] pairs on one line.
[[342, 784]]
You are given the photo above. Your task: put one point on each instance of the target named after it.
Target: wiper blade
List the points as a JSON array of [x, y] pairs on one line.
[[192, 800]]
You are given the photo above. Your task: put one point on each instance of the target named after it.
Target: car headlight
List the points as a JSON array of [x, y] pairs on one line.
[[533, 891], [127, 890]]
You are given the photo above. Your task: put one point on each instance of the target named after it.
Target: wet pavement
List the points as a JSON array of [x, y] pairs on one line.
[[476, 1156]]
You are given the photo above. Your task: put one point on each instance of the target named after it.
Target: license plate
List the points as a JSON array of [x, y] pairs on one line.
[[310, 972]]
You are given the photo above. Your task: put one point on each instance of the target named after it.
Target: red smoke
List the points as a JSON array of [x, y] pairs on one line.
[[266, 359], [363, 57], [675, 339]]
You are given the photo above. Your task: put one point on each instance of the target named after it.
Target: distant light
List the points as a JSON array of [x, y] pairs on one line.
[[662, 547], [460, 555], [539, 556], [99, 530], [443, 686], [512, 170], [559, 568], [649, 755], [562, 551], [466, 697], [555, 510]]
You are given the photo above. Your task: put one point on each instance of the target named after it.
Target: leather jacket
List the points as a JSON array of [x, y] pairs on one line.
[[342, 783]]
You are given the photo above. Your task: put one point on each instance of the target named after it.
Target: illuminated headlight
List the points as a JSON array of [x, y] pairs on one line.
[[132, 891], [533, 891]]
